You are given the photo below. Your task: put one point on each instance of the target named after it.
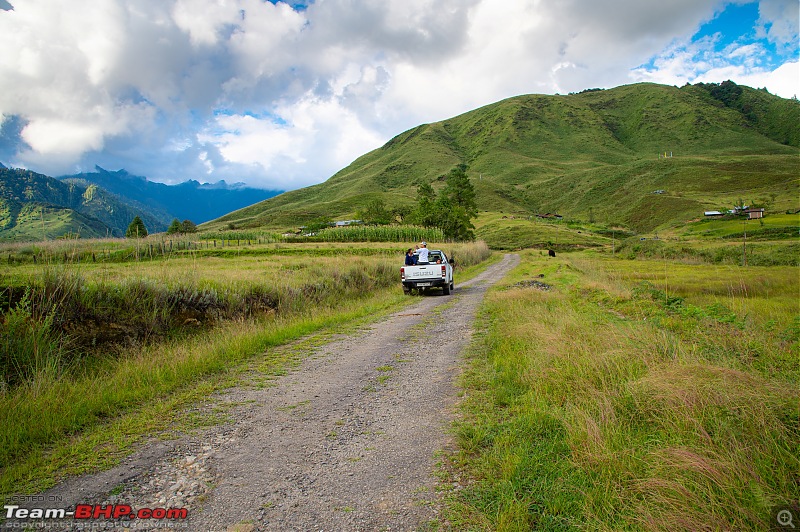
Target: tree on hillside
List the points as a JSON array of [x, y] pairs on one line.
[[454, 220], [375, 213], [188, 226], [454, 208], [424, 213], [136, 229], [459, 190], [175, 227]]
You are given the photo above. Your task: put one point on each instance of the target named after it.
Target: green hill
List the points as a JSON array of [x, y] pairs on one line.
[[34, 206], [31, 221], [596, 155]]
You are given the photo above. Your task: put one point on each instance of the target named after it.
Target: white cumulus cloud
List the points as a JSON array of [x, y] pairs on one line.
[[256, 91]]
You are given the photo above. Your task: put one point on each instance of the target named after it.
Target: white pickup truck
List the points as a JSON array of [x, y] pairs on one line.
[[436, 273]]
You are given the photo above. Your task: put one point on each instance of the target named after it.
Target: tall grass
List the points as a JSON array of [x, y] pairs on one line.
[[65, 373], [262, 237], [119, 250], [62, 302], [605, 405], [383, 233], [469, 254], [30, 349]]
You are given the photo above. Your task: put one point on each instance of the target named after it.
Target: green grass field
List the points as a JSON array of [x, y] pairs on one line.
[[629, 385], [632, 395], [520, 231], [781, 225], [74, 398]]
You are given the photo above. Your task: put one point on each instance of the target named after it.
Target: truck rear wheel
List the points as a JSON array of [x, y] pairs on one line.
[[446, 289]]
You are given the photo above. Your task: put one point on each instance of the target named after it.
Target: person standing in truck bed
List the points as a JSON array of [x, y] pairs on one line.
[[422, 253], [411, 258]]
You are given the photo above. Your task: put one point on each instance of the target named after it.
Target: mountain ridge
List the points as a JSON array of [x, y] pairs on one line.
[[71, 208], [596, 154], [188, 200]]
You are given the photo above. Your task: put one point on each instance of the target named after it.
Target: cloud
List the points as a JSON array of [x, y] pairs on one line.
[[312, 134], [284, 97], [745, 61], [781, 81], [779, 21]]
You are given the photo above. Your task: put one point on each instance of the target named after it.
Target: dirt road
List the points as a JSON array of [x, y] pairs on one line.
[[346, 441]]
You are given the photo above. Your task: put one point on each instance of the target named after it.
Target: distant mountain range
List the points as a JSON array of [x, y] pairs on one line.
[[643, 156], [35, 206], [189, 200]]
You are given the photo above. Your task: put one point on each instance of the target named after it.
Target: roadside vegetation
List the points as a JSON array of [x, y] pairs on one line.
[[94, 356], [371, 233], [647, 394]]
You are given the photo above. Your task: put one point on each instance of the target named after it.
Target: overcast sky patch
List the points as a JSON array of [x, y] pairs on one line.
[[283, 95]]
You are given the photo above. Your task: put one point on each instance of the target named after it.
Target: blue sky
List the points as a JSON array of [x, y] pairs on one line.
[[283, 95], [741, 40]]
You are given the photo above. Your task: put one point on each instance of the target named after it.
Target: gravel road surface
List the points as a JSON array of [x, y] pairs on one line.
[[345, 441]]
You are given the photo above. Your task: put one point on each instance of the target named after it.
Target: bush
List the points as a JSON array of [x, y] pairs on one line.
[[29, 348]]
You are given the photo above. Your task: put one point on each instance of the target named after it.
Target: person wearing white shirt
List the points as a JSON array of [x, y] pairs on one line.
[[422, 253]]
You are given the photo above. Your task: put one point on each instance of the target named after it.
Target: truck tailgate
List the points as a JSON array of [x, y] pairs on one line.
[[431, 271]]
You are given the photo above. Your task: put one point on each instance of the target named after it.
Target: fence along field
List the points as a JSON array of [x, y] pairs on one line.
[[84, 342]]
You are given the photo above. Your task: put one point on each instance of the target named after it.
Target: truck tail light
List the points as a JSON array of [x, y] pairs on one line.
[[403, 274], [444, 272]]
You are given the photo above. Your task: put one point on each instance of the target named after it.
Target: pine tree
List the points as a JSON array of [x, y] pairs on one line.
[[456, 207], [175, 227], [188, 226], [424, 214], [453, 209], [460, 191], [136, 229]]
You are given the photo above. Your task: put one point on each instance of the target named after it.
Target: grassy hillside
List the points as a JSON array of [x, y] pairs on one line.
[[35, 206], [596, 155], [32, 221]]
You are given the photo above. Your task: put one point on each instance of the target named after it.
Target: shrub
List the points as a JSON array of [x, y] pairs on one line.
[[29, 348]]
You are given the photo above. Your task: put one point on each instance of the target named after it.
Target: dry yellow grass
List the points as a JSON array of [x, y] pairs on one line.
[[649, 411]]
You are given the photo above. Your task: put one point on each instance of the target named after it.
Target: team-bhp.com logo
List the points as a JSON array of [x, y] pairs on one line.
[[94, 512]]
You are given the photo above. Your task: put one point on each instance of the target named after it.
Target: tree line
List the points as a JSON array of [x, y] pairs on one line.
[[137, 228], [451, 210]]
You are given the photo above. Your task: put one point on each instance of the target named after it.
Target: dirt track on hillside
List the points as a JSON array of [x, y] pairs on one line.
[[345, 441]]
